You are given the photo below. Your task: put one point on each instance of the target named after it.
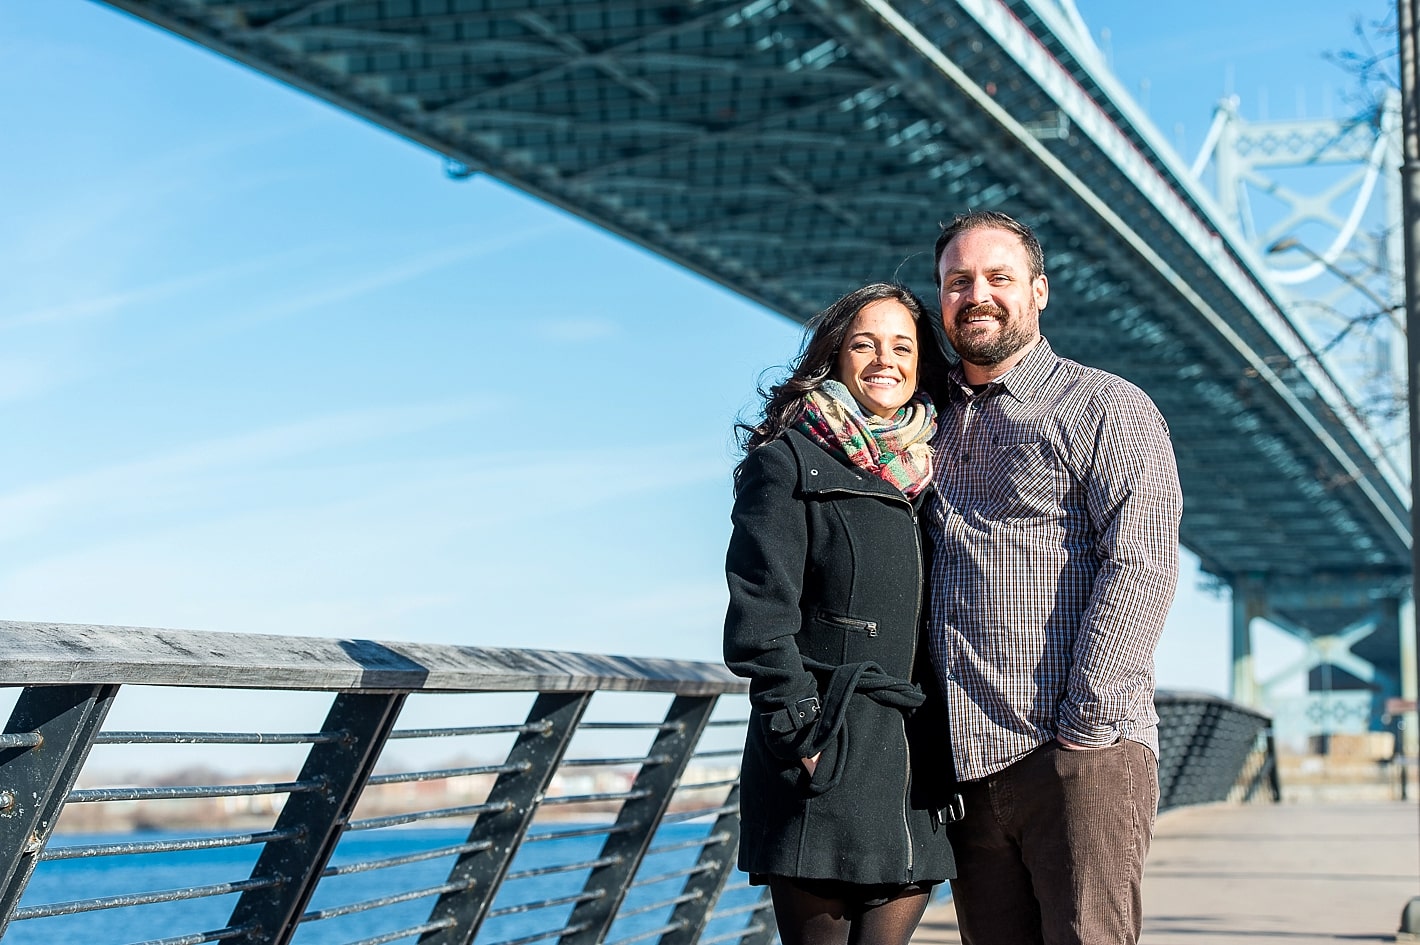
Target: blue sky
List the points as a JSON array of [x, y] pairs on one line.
[[264, 367]]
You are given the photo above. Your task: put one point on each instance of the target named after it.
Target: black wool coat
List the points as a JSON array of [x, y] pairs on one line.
[[825, 619]]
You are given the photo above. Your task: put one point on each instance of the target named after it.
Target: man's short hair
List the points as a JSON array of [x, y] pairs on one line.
[[984, 219]]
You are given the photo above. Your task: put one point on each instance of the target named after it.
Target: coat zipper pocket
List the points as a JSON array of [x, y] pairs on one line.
[[870, 627]]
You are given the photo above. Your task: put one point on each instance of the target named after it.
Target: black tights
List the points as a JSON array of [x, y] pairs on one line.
[[805, 917]]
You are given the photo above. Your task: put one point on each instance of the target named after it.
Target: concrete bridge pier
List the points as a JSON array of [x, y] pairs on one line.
[[1249, 603]]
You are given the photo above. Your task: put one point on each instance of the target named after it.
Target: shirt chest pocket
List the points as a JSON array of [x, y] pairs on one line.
[[1024, 481]]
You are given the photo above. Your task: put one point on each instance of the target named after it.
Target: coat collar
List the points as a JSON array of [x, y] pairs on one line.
[[820, 471]]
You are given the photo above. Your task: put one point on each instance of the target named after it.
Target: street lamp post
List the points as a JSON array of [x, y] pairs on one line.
[[1410, 215]]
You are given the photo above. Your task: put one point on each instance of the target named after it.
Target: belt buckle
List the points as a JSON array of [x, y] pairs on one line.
[[804, 711]]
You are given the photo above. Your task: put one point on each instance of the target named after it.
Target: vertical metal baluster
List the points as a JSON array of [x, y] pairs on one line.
[[34, 781], [762, 928], [1274, 782], [344, 765], [537, 754], [686, 720], [718, 859]]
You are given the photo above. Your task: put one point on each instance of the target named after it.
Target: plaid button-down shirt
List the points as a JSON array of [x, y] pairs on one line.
[[1054, 539]]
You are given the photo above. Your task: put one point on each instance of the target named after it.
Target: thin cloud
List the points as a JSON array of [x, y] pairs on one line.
[[140, 297], [407, 270], [576, 330], [132, 194], [22, 378], [38, 508], [414, 560]]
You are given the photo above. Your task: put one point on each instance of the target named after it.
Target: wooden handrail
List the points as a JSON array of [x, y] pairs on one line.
[[58, 654]]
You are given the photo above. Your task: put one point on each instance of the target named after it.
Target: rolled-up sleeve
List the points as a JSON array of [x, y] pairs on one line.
[[1134, 503]]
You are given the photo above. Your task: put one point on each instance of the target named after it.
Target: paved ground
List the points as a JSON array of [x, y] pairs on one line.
[[1269, 875]]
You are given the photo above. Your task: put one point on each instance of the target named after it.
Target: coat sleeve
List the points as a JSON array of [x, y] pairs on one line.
[[764, 568]]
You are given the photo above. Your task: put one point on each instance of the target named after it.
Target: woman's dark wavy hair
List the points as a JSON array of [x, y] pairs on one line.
[[824, 336]]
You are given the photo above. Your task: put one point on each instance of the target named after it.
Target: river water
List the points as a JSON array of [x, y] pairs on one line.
[[65, 880]]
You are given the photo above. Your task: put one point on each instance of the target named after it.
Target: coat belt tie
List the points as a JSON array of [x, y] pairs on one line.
[[829, 739]]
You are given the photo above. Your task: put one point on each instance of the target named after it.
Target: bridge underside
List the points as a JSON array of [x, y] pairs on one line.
[[794, 149]]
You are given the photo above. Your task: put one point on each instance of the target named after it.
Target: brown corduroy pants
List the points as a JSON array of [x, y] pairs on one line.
[[1052, 848]]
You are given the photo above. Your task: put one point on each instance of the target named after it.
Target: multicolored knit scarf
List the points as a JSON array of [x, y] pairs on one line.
[[895, 450]]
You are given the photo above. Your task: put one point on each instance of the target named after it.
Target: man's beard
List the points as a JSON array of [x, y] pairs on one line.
[[988, 350]]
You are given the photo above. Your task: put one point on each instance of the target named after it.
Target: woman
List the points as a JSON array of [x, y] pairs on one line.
[[825, 574]]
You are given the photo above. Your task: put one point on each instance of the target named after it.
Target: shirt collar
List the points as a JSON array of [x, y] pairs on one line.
[[1021, 381]]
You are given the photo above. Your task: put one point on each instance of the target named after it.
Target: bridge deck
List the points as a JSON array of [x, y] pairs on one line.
[[1294, 874]]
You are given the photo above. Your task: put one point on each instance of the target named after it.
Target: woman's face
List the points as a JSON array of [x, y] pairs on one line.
[[878, 359]]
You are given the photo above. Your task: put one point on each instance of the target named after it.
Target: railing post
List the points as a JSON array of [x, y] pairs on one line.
[[1266, 771], [716, 862], [1274, 781], [271, 913], [37, 773], [626, 845], [480, 872]]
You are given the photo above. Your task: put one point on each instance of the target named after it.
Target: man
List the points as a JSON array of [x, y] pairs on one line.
[[1054, 560]]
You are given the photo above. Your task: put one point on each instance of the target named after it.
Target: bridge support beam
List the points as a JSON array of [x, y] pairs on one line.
[[1249, 603]]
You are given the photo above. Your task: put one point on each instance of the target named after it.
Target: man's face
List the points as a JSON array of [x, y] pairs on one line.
[[990, 304]]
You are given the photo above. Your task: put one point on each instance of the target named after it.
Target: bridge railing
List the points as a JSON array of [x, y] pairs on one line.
[[370, 792], [1212, 750], [575, 797]]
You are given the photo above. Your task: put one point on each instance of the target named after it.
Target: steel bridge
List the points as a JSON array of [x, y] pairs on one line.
[[793, 149]]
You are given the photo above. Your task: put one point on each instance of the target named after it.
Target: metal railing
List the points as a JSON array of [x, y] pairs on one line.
[[526, 796], [1212, 750], [548, 815]]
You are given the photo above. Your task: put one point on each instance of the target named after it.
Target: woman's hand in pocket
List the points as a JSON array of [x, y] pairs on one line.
[[810, 763]]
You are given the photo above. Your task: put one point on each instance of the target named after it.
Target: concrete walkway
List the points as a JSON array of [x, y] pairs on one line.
[[1268, 875]]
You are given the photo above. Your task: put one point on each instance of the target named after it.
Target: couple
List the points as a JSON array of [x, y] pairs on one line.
[[947, 613]]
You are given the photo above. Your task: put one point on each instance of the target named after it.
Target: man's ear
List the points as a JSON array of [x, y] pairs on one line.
[[1041, 287]]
